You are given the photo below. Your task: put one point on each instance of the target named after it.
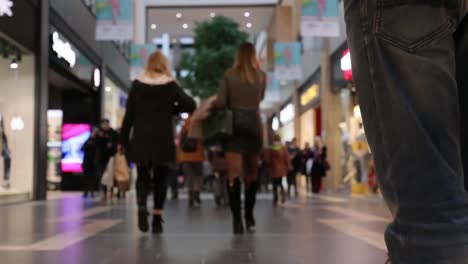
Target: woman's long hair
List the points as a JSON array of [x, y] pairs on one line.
[[157, 65], [247, 64]]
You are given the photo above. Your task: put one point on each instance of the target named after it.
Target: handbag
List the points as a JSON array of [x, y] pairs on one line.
[[188, 144], [218, 126]]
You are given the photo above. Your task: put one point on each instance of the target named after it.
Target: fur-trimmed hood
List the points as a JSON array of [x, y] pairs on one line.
[[161, 80]]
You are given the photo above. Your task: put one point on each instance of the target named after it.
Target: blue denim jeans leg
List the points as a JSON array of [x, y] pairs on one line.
[[410, 61]]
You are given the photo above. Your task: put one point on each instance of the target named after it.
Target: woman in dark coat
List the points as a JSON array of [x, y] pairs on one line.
[[241, 90], [153, 101], [319, 167]]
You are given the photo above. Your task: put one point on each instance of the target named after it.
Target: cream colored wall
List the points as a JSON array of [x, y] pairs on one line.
[[17, 99], [308, 128]]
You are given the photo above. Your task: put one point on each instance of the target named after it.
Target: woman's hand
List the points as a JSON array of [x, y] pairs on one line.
[[204, 110]]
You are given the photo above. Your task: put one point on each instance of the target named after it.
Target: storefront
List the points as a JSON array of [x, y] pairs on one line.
[[311, 120], [17, 102], [114, 103], [74, 109], [358, 158]]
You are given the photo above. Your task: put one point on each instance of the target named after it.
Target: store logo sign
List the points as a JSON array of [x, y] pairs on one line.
[[97, 78], [63, 49], [346, 66], [310, 95], [6, 8]]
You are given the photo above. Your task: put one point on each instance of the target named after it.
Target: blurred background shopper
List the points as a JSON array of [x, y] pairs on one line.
[[154, 99], [241, 90], [278, 162]]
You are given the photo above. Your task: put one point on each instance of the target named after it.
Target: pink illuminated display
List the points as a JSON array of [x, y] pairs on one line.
[[73, 138]]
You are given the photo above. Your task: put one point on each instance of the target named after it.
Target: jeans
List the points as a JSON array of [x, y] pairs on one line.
[[154, 177], [410, 64]]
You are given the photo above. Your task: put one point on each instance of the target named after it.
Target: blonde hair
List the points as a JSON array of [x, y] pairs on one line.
[[247, 64], [158, 64]]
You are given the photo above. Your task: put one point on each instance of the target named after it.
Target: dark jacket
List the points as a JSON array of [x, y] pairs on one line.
[[151, 107], [90, 155], [320, 166], [106, 143]]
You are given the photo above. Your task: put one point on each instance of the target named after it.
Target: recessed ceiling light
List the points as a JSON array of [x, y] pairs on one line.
[[249, 25], [247, 14], [185, 25], [212, 14], [179, 15], [108, 89], [154, 26]]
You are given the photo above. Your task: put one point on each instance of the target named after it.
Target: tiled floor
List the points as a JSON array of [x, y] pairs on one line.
[[310, 230]]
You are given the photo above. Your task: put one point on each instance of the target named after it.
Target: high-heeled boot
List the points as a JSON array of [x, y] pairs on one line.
[[250, 199], [234, 190]]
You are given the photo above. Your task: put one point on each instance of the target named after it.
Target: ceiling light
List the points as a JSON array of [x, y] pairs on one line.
[[154, 26], [247, 14], [212, 14], [108, 89], [14, 64], [185, 25], [179, 15], [249, 25]]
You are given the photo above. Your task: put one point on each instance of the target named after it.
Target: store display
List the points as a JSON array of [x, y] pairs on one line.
[[73, 138], [6, 157], [54, 148]]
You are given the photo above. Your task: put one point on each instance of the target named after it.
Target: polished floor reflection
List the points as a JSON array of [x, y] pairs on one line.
[[71, 230]]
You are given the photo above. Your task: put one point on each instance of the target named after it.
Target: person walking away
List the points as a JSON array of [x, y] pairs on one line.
[[89, 165], [192, 164], [307, 164], [241, 90], [153, 101], [295, 156], [411, 75], [279, 163], [106, 140], [319, 167]]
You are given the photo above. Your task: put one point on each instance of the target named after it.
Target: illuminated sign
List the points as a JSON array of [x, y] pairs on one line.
[[63, 49], [6, 8], [287, 114], [346, 65], [275, 124], [97, 78], [310, 95]]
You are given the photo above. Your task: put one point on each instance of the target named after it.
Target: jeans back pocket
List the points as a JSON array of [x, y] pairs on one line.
[[412, 24]]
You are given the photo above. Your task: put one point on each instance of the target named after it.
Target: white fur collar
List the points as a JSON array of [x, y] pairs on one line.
[[161, 80]]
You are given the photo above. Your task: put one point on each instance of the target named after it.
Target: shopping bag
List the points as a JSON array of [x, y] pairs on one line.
[[108, 175], [122, 176]]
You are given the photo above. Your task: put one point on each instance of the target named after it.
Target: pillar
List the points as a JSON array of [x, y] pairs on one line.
[[332, 113], [297, 113], [41, 104]]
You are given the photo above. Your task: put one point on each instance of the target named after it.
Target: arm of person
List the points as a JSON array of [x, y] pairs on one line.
[[222, 94], [184, 103], [128, 119]]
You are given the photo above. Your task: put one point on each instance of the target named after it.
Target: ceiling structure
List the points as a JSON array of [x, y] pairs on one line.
[[164, 19]]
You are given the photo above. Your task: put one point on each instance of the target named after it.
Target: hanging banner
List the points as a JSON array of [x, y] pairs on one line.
[[288, 61], [139, 57], [114, 20], [320, 18]]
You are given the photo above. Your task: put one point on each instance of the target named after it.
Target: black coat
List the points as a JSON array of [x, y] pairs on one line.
[[149, 121]]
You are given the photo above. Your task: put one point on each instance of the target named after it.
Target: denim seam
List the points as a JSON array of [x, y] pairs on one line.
[[369, 30], [441, 31]]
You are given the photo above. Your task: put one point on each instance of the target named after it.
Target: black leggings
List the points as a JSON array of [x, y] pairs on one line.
[[277, 183], [152, 176]]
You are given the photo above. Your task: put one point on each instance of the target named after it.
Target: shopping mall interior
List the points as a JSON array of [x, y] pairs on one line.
[[65, 66]]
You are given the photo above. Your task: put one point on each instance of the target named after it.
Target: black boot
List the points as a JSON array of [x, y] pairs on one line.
[[157, 227], [143, 219], [234, 191], [250, 199]]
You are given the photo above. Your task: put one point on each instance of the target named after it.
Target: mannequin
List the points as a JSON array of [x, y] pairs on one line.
[[6, 156]]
